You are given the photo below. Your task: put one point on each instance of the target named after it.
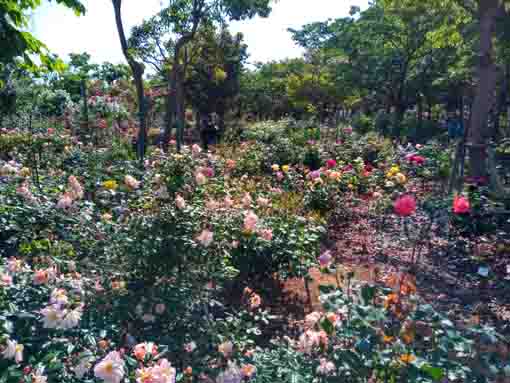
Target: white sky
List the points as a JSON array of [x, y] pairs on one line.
[[96, 33]]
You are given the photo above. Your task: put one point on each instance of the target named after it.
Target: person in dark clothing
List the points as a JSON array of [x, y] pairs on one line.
[[455, 127], [209, 131]]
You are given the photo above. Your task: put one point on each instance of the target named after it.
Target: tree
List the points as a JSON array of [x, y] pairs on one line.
[[184, 17], [215, 63], [16, 44], [138, 70]]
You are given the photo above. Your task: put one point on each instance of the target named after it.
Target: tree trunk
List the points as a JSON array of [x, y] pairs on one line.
[[487, 77], [84, 96], [503, 96], [170, 108], [137, 70]]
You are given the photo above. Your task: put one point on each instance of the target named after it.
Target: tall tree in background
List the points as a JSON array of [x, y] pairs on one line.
[[212, 81], [138, 70], [185, 17]]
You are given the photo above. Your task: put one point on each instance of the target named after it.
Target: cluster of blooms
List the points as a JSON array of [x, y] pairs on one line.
[[131, 182], [106, 106], [202, 174], [415, 159], [234, 374], [251, 221], [279, 171], [57, 316], [311, 340], [146, 315], [74, 193], [13, 350], [24, 191], [394, 175], [325, 259], [405, 205], [254, 300], [12, 168]]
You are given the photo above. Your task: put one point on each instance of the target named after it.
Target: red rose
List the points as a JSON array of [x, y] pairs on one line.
[[331, 164], [405, 206], [461, 205]]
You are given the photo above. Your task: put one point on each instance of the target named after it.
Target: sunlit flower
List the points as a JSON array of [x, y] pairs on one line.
[[231, 164], [144, 375], [72, 319], [308, 341], [400, 178], [25, 192], [266, 234], [14, 265], [13, 350], [231, 375], [180, 202], [461, 205], [52, 316], [131, 182], [331, 163], [325, 259], [314, 175], [229, 202], [326, 367], [200, 178], [255, 301], [335, 176], [83, 367], [163, 372], [38, 376], [275, 168], [76, 188], [226, 348], [248, 370], [405, 206], [140, 351], [407, 358], [190, 347], [312, 319], [111, 368], [196, 149], [250, 221], [59, 297], [110, 185], [40, 277], [263, 202], [247, 200], [65, 202], [5, 279], [332, 318], [208, 172], [205, 238]]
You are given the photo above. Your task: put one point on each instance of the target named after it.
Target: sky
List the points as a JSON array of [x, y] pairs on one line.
[[96, 33]]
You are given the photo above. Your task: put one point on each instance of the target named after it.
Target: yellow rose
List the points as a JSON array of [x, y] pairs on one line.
[[400, 178], [25, 172], [285, 168], [110, 185]]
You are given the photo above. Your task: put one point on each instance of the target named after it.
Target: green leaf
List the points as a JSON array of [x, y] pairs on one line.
[[435, 373]]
